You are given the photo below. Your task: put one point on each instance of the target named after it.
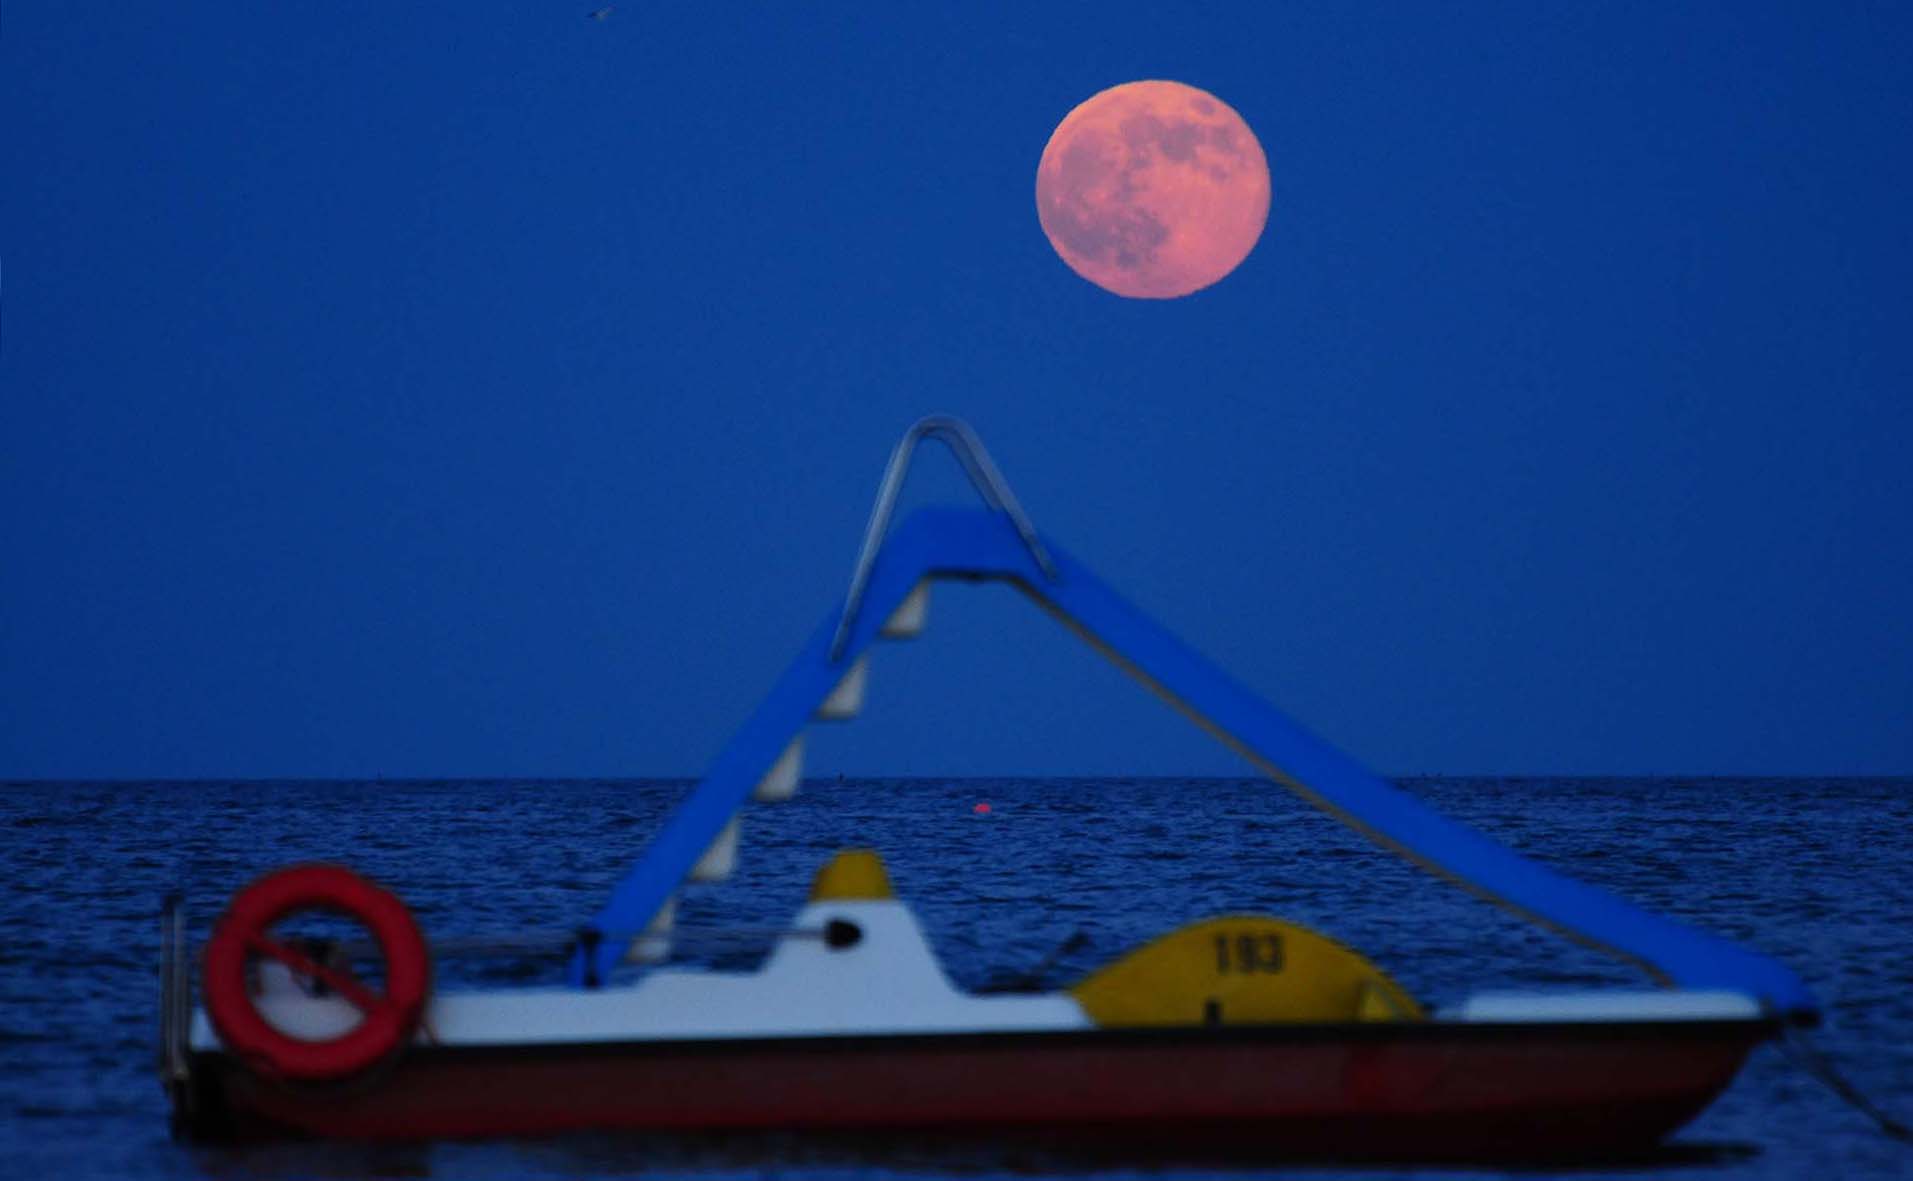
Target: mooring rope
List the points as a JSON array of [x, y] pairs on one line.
[[1809, 1058]]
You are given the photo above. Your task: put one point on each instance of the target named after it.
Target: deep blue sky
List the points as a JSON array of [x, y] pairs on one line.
[[480, 389]]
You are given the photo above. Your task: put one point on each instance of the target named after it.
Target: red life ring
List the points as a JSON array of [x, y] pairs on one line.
[[388, 1018]]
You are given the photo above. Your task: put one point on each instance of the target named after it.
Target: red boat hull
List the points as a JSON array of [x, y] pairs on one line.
[[1437, 1090]]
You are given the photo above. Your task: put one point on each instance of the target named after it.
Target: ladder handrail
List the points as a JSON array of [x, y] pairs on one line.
[[988, 481]]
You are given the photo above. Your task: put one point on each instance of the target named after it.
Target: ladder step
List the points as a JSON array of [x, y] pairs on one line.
[[780, 782], [907, 621], [720, 860], [846, 701], [654, 946]]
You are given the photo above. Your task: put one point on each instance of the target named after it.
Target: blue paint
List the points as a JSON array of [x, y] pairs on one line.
[[968, 543]]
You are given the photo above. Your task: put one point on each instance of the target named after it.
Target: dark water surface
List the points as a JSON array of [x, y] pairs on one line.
[[1816, 872]]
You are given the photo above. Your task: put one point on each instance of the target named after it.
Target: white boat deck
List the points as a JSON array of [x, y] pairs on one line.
[[889, 982]]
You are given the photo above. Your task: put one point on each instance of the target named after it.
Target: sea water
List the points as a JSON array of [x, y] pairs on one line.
[[1816, 872]]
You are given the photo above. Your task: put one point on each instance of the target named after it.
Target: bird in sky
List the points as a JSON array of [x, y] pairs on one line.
[[599, 14]]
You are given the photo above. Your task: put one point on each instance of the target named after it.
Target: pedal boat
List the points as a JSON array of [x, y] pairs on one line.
[[1231, 1034]]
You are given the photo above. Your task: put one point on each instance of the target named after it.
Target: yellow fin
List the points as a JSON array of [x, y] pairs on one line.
[[1241, 969], [1377, 1003], [850, 875]]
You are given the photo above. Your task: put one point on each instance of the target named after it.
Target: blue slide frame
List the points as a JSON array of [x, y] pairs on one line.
[[982, 544]]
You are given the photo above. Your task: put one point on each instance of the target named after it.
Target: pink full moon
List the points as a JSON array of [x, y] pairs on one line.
[[1153, 189]]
